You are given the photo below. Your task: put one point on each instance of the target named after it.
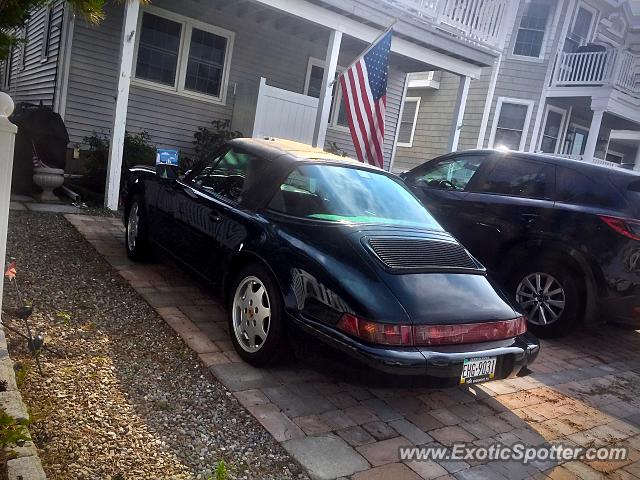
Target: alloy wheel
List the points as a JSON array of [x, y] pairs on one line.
[[132, 226], [542, 296], [251, 314]]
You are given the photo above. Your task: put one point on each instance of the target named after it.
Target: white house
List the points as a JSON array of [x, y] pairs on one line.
[[567, 81]]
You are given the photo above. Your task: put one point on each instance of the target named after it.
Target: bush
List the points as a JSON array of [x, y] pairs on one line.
[[137, 151], [208, 140]]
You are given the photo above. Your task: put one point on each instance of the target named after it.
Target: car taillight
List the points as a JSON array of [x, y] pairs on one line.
[[385, 334], [624, 226], [469, 332], [424, 335]]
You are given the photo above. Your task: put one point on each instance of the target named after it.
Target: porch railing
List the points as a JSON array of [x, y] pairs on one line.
[[610, 67], [598, 161], [478, 21], [628, 77]]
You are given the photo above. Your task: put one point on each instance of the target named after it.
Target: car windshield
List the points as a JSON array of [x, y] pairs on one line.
[[348, 194]]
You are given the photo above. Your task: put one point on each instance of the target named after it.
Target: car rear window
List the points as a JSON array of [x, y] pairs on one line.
[[347, 194], [580, 189], [629, 186]]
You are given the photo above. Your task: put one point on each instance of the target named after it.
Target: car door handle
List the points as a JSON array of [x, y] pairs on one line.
[[214, 216]]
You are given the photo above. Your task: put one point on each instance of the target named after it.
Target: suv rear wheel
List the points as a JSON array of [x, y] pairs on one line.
[[548, 293]]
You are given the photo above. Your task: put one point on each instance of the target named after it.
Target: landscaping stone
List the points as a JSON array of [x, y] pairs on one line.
[[395, 471], [385, 451], [356, 436], [326, 457], [380, 430], [411, 432], [25, 468]]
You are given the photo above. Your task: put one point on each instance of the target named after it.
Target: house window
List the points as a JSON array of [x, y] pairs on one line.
[[552, 130], [509, 130], [23, 45], [313, 85], [46, 34], [158, 49], [408, 121], [580, 30], [206, 62], [183, 55], [531, 32]]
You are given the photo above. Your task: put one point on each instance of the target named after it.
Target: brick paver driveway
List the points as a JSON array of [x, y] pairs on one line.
[[584, 391]]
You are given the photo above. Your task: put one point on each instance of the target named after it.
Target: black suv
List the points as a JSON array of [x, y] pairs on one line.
[[563, 236]]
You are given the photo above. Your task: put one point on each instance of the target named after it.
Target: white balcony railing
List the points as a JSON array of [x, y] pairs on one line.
[[598, 161], [610, 67], [478, 21]]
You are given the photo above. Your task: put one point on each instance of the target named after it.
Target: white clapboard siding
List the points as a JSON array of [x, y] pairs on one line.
[[33, 81]]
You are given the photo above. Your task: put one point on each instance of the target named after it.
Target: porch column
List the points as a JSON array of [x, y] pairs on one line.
[[458, 114], [592, 138], [128, 41], [7, 137], [324, 102]]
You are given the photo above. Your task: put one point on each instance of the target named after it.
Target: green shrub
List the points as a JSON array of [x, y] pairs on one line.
[[208, 140], [137, 151], [13, 432]]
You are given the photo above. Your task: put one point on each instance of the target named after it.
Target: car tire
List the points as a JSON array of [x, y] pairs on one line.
[[547, 291], [137, 230], [256, 317]]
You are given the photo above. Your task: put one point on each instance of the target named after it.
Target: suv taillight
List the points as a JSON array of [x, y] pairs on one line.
[[624, 226], [425, 335]]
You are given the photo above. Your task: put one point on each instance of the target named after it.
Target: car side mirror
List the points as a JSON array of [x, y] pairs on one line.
[[167, 173]]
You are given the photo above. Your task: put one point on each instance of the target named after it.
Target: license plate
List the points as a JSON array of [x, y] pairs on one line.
[[476, 370]]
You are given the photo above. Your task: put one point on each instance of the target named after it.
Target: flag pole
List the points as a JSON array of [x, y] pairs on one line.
[[364, 52]]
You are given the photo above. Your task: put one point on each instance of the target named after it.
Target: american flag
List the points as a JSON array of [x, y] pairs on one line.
[[364, 90]]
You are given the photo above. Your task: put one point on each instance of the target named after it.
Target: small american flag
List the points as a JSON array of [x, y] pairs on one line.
[[364, 89]]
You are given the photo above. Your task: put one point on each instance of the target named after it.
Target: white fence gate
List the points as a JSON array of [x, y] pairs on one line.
[[284, 114]]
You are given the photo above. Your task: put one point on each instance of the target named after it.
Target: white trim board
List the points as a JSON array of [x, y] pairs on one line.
[[527, 120]]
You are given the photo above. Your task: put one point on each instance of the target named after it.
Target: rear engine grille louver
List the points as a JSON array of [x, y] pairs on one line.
[[417, 253]]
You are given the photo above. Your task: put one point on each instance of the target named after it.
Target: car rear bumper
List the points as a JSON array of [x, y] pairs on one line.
[[443, 364]]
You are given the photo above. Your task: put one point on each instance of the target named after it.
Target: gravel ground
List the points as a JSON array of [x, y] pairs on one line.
[[129, 400]]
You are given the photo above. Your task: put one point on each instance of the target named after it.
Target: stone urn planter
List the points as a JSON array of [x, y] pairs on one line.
[[48, 179]]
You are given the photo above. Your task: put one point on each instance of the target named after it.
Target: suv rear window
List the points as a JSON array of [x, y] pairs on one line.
[[629, 187], [577, 188]]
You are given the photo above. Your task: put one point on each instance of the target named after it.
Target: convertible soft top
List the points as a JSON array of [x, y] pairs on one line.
[[288, 151]]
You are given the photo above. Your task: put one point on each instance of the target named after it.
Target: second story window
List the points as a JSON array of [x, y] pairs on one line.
[[533, 26], [580, 31], [183, 55]]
